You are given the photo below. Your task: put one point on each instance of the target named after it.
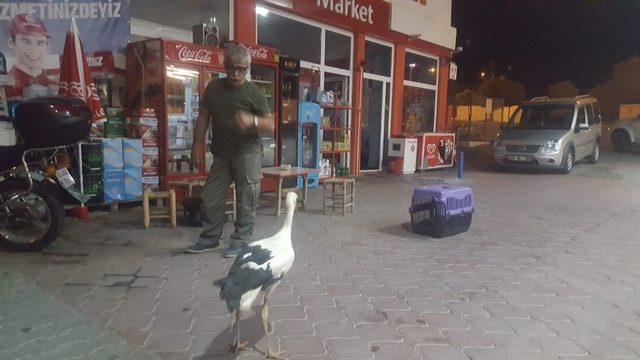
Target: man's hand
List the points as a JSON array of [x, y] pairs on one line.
[[245, 119], [196, 155]]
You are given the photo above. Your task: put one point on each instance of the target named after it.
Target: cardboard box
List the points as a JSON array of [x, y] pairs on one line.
[[145, 129], [132, 152], [142, 112], [150, 183], [113, 185], [150, 161], [114, 112], [132, 184], [112, 154]]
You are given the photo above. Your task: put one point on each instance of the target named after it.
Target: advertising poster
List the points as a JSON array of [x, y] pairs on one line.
[[439, 150], [32, 36]]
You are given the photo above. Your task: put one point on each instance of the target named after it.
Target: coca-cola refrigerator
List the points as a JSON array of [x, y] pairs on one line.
[[170, 77]]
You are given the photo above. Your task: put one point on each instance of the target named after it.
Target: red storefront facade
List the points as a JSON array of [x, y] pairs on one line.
[[366, 22]]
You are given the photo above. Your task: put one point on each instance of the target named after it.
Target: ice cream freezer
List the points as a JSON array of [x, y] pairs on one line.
[[435, 150]]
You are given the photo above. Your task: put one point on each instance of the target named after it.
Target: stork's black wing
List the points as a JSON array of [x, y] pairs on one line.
[[247, 273]]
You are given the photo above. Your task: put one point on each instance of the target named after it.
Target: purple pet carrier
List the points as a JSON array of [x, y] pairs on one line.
[[441, 210]]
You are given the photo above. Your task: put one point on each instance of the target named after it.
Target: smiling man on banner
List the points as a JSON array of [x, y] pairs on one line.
[[29, 40]]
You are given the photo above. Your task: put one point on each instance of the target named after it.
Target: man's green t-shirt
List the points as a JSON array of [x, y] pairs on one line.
[[223, 101]]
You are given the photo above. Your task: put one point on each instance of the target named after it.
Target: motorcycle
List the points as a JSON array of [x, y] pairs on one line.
[[31, 178]]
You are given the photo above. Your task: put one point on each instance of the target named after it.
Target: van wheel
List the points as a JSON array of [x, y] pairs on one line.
[[568, 161], [621, 141], [595, 154]]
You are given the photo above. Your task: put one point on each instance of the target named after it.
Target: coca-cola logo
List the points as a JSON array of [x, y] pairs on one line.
[[259, 53], [200, 55]]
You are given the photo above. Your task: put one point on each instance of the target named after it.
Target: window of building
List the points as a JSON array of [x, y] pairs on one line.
[[420, 93], [292, 38], [422, 69], [325, 52], [419, 109], [378, 58], [337, 51]]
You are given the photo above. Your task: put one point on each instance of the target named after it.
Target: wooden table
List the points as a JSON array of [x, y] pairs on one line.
[[280, 174]]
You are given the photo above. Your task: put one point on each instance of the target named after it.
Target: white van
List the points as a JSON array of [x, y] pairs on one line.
[[550, 133]]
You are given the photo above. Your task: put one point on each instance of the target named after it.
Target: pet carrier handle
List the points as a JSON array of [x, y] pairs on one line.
[[421, 207]]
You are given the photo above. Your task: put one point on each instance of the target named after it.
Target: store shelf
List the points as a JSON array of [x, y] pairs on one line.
[[336, 107], [334, 151], [262, 82], [335, 128]]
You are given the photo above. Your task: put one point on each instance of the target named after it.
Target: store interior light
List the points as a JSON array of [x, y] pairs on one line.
[[262, 11], [412, 65], [182, 72], [432, 69]]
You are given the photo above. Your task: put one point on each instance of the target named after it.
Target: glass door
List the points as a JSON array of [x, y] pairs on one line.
[[371, 124], [376, 104], [265, 78], [183, 102]]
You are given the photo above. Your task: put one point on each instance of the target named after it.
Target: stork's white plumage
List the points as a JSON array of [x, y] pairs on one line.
[[259, 267]]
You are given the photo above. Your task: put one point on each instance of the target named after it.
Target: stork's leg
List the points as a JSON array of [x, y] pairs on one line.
[[265, 325], [238, 346]]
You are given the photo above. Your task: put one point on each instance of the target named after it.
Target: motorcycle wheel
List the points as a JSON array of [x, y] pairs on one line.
[[31, 222]]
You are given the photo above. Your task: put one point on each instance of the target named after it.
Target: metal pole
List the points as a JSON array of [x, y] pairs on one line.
[[470, 109], [461, 165]]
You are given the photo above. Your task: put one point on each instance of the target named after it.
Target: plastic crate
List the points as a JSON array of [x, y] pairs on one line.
[[441, 210]]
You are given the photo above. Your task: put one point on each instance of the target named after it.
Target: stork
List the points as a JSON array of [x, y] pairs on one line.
[[259, 268]]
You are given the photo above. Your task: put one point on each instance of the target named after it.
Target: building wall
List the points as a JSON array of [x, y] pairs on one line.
[[432, 21], [437, 39]]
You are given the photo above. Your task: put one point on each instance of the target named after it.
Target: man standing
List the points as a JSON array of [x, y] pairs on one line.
[[237, 110], [29, 40]]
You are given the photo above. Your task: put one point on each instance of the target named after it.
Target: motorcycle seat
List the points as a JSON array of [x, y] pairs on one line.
[[11, 156]]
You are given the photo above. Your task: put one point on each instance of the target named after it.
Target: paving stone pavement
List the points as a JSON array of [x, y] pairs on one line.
[[549, 270]]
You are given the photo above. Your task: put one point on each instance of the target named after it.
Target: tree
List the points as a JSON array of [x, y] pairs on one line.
[[511, 91], [562, 89]]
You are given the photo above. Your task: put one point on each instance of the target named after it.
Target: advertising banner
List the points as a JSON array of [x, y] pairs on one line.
[[32, 36], [437, 150]]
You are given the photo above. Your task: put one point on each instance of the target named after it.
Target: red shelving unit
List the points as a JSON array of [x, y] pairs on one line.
[[336, 136]]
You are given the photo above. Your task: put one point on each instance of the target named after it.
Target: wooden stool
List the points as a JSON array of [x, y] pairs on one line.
[[169, 213], [344, 198], [230, 205]]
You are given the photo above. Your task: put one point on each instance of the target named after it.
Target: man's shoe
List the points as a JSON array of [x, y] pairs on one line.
[[199, 248], [232, 251]]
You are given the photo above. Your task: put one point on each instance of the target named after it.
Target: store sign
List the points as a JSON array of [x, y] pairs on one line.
[[422, 2], [193, 54], [364, 15], [33, 34], [453, 71], [350, 8]]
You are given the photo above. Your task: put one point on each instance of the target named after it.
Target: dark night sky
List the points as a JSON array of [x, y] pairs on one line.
[[545, 41]]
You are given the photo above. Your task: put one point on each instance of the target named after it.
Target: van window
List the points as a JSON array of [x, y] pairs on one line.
[[516, 117], [595, 113], [543, 117], [582, 116]]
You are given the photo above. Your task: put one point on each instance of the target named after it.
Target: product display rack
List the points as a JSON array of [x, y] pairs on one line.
[[89, 168], [336, 138]]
